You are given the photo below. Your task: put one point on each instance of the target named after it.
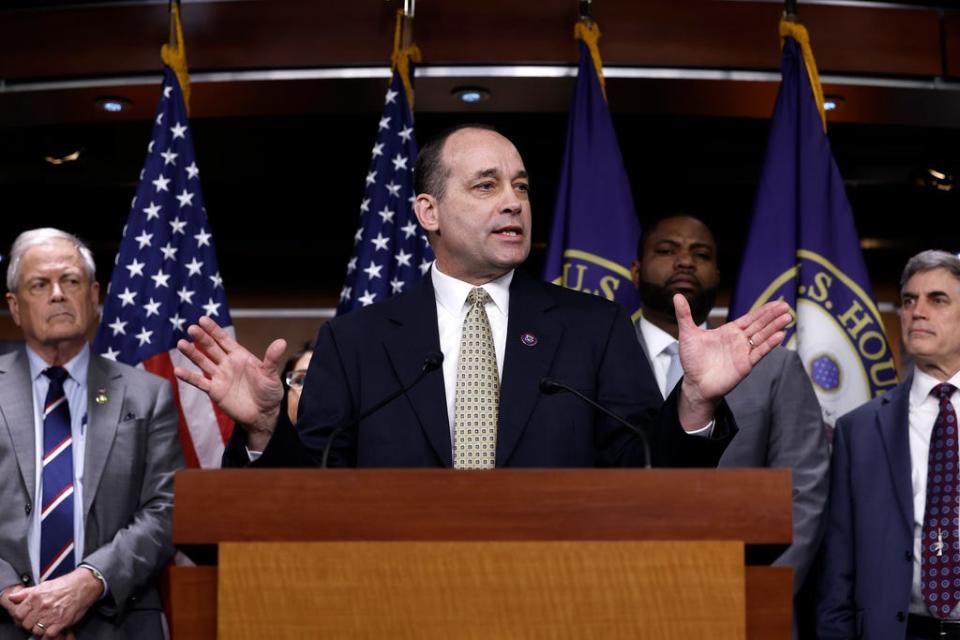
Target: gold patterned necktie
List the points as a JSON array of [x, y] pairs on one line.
[[477, 401]]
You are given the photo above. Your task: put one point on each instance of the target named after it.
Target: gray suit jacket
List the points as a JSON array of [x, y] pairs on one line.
[[781, 427], [132, 452]]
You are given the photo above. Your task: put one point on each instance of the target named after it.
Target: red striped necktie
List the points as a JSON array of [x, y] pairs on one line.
[[56, 519]]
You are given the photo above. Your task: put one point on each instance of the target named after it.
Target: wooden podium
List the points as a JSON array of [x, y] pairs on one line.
[[484, 554]]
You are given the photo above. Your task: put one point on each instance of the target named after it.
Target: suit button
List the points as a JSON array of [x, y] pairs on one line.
[[908, 556], [133, 599], [25, 578], [900, 616], [28, 508]]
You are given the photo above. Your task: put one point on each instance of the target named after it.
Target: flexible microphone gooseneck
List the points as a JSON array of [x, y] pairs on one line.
[[431, 362], [550, 386]]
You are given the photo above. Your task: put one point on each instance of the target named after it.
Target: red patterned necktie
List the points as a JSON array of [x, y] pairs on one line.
[[940, 566]]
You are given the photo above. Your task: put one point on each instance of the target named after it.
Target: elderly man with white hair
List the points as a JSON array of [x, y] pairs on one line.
[[88, 449]]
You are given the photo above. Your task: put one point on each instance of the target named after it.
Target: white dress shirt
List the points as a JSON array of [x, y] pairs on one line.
[[451, 295], [75, 388], [924, 409], [657, 341]]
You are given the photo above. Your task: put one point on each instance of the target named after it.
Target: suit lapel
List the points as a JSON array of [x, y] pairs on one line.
[[893, 420], [16, 409], [412, 334], [532, 340], [102, 423]]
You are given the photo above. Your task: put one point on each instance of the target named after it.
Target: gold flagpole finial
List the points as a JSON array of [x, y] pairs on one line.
[[792, 29], [174, 53], [588, 31], [405, 50]]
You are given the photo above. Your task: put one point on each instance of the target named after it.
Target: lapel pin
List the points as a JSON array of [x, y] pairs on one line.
[[101, 397], [528, 339]]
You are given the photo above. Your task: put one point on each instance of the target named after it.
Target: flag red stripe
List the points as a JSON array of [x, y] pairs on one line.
[[162, 366]]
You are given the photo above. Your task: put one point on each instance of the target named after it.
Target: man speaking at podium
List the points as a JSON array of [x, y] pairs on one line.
[[479, 366]]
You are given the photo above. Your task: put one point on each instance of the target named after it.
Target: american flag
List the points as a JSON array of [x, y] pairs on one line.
[[390, 251], [165, 277]]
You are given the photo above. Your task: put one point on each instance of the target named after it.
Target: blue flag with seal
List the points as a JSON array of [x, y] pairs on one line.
[[595, 227], [803, 247]]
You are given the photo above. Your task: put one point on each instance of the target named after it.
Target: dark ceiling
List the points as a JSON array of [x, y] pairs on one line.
[[283, 160]]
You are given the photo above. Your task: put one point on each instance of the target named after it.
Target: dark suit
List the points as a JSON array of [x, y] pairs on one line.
[[581, 340], [132, 451], [780, 426], [868, 547]]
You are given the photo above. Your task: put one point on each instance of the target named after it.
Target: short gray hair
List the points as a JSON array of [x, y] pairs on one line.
[[36, 237], [929, 260]]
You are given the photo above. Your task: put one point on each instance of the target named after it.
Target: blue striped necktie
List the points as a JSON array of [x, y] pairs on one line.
[[56, 519]]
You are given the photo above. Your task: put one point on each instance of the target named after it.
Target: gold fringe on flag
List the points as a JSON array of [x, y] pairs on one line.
[[175, 56], [795, 30], [590, 34], [402, 56]]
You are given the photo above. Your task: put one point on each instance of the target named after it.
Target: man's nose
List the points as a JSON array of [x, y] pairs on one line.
[[919, 309], [511, 203]]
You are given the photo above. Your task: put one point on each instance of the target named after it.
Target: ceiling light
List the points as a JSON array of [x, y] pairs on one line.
[[112, 104], [471, 95], [832, 102], [70, 157], [936, 177]]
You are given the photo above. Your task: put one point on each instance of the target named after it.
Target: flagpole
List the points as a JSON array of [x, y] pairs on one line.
[[790, 12], [172, 39], [174, 54], [406, 38], [586, 11]]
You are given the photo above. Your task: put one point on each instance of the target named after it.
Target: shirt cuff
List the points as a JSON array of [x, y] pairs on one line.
[[704, 432], [99, 576]]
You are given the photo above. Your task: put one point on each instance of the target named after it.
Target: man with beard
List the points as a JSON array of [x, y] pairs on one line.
[[774, 406]]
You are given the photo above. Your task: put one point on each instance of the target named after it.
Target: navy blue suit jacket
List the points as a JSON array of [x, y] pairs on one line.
[[581, 340], [868, 547]]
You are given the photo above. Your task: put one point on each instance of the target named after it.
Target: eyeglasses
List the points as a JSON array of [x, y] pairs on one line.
[[295, 379]]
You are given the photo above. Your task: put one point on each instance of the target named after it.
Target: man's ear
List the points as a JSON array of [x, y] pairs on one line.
[[95, 296], [14, 307], [635, 273], [427, 211]]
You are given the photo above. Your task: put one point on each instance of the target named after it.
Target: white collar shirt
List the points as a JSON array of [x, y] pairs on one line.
[[924, 409], [75, 389], [451, 295]]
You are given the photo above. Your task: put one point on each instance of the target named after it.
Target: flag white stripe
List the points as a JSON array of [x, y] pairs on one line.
[[200, 416]]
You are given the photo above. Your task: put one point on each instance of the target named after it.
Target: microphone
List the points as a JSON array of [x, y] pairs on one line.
[[550, 386], [431, 362]]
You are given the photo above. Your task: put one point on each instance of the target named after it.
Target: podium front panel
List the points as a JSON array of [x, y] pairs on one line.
[[656, 590]]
